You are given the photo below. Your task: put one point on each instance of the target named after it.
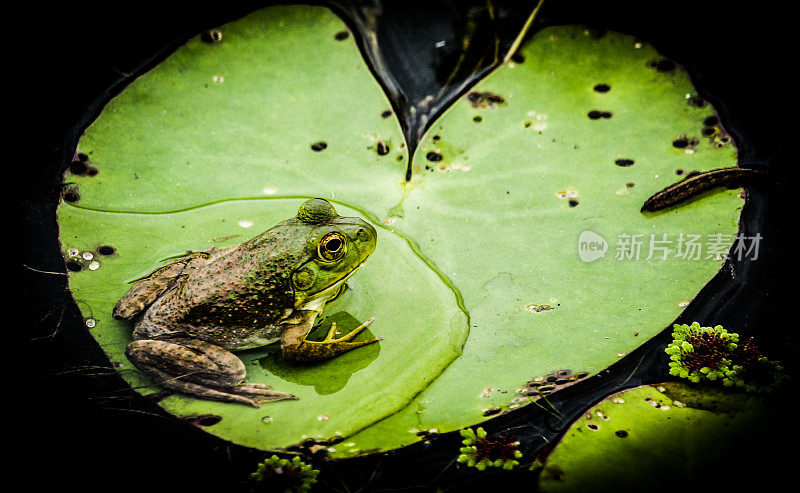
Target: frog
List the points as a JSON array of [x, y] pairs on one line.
[[192, 314]]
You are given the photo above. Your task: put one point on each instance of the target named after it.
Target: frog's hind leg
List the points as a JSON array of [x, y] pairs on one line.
[[200, 369], [150, 287]]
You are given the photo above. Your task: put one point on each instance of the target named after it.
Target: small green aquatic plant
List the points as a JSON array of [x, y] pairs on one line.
[[291, 476], [714, 354], [700, 353], [752, 370], [536, 466], [481, 452]]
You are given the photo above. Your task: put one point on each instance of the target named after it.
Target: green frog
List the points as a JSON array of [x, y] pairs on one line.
[[189, 315]]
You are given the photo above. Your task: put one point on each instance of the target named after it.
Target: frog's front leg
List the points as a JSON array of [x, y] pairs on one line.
[[200, 369], [296, 347]]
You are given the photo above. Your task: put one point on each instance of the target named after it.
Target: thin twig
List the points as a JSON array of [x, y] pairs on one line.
[[522, 33], [44, 271]]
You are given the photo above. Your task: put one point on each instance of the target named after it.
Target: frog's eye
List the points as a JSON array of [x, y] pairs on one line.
[[331, 247]]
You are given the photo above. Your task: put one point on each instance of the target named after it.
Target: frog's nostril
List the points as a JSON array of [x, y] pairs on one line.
[[360, 232]]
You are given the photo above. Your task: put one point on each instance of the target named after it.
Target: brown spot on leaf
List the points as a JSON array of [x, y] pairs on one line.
[[485, 99]]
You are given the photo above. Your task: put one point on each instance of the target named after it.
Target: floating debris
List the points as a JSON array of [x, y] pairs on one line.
[[551, 382], [569, 193], [491, 411], [485, 99], [538, 308]]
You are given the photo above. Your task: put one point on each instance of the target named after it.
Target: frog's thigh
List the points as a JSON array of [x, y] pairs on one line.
[[199, 369], [183, 360]]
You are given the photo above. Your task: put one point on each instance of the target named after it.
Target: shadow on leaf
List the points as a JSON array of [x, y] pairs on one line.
[[329, 376]]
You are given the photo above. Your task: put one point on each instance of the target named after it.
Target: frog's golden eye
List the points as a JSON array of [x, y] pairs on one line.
[[331, 247]]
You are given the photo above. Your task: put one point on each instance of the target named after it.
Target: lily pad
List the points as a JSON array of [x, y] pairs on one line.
[[483, 241], [655, 437], [211, 122], [518, 176], [377, 380]]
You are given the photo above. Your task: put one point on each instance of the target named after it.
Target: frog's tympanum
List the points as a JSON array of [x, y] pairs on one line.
[[191, 313]]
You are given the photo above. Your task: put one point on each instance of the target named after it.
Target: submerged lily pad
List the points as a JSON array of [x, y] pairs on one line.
[[653, 438], [376, 380], [504, 186]]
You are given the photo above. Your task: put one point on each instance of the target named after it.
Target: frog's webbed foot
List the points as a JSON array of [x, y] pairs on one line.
[[327, 348], [200, 369], [350, 335]]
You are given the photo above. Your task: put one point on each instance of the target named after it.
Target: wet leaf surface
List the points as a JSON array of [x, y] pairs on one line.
[[502, 204], [377, 380], [222, 140], [652, 436]]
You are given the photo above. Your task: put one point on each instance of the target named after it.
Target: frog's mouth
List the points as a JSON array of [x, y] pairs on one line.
[[332, 291]]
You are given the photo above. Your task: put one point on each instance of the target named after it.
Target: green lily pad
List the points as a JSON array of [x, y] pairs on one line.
[[483, 241], [377, 380], [211, 122], [490, 204], [655, 436]]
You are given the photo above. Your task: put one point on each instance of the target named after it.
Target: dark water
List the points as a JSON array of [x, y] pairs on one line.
[[91, 431]]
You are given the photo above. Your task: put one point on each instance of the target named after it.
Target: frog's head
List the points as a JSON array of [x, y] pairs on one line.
[[335, 248]]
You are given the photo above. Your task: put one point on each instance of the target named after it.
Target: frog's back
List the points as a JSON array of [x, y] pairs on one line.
[[237, 298]]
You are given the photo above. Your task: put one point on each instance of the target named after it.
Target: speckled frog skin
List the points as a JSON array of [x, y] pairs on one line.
[[191, 313]]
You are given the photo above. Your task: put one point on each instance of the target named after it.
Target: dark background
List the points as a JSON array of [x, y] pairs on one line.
[[82, 429]]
